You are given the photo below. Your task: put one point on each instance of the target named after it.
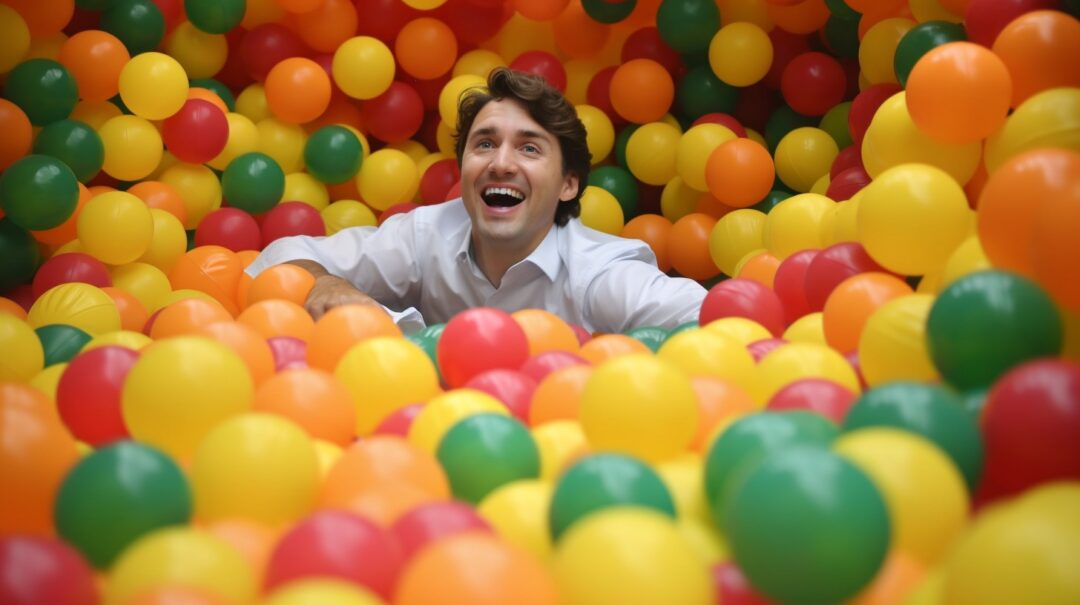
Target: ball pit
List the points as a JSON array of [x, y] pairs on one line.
[[877, 403]]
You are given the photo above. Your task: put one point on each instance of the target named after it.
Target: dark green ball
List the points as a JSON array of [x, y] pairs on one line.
[[44, 89]]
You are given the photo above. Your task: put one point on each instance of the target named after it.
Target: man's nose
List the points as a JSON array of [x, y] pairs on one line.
[[503, 161]]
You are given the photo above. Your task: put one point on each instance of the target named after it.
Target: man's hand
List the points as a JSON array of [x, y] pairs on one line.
[[330, 291]]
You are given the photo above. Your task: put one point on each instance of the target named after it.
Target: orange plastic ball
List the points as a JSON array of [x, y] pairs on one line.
[[278, 318], [314, 400], [246, 342], [545, 331], [853, 301], [1039, 48], [213, 270], [284, 282], [186, 316], [297, 90], [642, 91], [558, 396], [654, 230], [426, 48], [162, 196], [740, 173], [688, 246], [330, 24], [18, 133], [719, 402], [133, 313], [95, 59], [342, 328], [608, 346]]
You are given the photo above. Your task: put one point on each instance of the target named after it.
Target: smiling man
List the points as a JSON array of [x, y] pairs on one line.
[[511, 242]]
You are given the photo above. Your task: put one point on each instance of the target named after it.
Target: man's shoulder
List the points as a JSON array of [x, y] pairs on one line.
[[596, 247]]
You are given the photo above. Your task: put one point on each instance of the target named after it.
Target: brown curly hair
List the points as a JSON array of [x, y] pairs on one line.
[[549, 108]]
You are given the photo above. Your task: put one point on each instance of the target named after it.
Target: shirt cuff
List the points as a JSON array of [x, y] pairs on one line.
[[408, 320]]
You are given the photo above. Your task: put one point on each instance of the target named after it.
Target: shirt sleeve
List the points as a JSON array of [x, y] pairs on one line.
[[379, 261], [631, 292]]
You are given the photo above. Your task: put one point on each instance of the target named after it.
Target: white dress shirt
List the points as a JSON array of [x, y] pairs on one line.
[[422, 260]]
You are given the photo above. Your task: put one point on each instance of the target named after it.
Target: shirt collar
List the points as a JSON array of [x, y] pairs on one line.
[[545, 256]]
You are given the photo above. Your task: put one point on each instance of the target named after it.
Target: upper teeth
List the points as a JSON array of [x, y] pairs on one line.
[[504, 191]]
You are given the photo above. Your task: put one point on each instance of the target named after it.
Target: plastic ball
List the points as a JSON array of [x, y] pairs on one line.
[[39, 569], [181, 556], [135, 486], [1031, 47], [477, 340], [543, 64], [1005, 320], [760, 524], [383, 374], [44, 89], [363, 67], [253, 182], [387, 177], [621, 399], [28, 354], [485, 451], [920, 40], [214, 17], [803, 156], [600, 210], [139, 24], [748, 441], [297, 90], [60, 342], [815, 395], [172, 404], [518, 511], [77, 304], [930, 411], [642, 91], [795, 224], [878, 49], [892, 345], [201, 54], [651, 153], [19, 133], [740, 53], [133, 147], [322, 590], [196, 133], [230, 228], [428, 523], [853, 302], [812, 83], [38, 192], [153, 85], [327, 544], [600, 134], [89, 391], [739, 173], [74, 143]]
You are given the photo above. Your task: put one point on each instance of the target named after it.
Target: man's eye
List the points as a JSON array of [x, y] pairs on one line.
[[484, 145], [531, 149]]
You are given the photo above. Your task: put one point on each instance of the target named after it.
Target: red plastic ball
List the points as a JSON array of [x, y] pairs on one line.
[[598, 94], [540, 365], [789, 283], [267, 45], [760, 348], [395, 115], [744, 298], [846, 184], [402, 208], [288, 352], [35, 570], [812, 83], [865, 105], [68, 268], [543, 64], [383, 19], [1030, 425], [474, 23], [477, 340], [984, 19], [724, 120], [340, 545], [646, 43], [786, 46], [230, 228], [399, 421], [437, 181], [291, 218], [197, 133], [832, 266], [88, 396], [432, 521], [732, 587], [849, 157], [815, 395], [512, 387]]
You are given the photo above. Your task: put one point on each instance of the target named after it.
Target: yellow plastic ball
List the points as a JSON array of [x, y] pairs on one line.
[[740, 54], [477, 62], [133, 147], [255, 466], [199, 188], [48, 379], [1050, 118], [640, 405], [180, 389], [320, 591], [932, 10], [424, 5], [741, 329], [892, 345], [76, 304], [251, 103], [384, 374], [451, 94], [181, 556], [23, 355], [519, 512], [912, 217], [343, 214], [685, 479], [701, 352], [445, 410], [678, 199], [795, 224], [149, 284], [601, 559], [601, 211], [302, 187], [968, 257], [94, 113], [750, 11], [808, 328], [168, 243], [115, 227], [798, 360], [803, 156], [559, 442], [695, 147], [153, 85], [600, 133], [283, 142], [201, 54], [243, 138], [923, 489], [444, 136], [893, 139], [363, 67], [136, 341], [878, 49], [14, 38], [387, 177], [414, 149], [651, 152], [734, 235]]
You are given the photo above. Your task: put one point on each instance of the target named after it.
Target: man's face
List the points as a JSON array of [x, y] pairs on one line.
[[512, 178]]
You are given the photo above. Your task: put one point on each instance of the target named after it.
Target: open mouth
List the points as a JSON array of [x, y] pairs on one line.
[[502, 197]]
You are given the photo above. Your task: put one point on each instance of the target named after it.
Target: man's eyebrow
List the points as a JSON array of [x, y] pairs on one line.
[[485, 131]]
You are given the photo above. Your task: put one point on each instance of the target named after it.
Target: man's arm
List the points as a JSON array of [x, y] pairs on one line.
[[329, 290]]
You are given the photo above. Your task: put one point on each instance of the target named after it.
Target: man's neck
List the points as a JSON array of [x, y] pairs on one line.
[[494, 259]]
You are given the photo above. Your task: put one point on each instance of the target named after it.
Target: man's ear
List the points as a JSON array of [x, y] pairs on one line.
[[570, 188]]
